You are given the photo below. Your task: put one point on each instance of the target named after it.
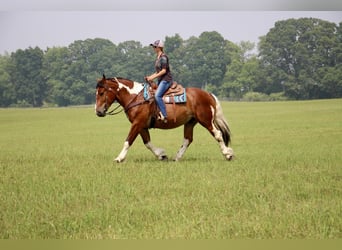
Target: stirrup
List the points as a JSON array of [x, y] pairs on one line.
[[162, 118]]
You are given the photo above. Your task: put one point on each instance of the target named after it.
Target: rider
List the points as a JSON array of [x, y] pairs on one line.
[[164, 76]]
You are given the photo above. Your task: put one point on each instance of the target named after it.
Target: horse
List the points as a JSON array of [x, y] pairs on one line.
[[200, 107]]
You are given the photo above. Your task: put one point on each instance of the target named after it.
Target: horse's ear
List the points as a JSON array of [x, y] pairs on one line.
[[104, 77]]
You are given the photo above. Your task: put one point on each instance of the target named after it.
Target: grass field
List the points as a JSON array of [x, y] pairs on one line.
[[58, 180]]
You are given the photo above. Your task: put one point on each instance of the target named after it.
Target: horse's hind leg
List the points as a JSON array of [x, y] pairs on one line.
[[226, 151], [188, 137], [216, 132], [158, 152]]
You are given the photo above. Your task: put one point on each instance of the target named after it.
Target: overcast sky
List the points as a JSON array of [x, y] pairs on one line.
[[52, 26]]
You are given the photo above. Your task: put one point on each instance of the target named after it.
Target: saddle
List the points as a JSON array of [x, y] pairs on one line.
[[175, 93], [175, 89]]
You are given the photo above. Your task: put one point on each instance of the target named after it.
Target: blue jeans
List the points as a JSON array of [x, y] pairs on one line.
[[162, 87]]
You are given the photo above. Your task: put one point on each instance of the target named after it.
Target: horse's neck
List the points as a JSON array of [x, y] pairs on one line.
[[126, 90], [131, 87]]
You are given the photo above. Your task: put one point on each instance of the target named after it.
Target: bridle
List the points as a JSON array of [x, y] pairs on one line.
[[112, 112]]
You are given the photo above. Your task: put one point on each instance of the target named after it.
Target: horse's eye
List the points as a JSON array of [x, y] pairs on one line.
[[101, 94]]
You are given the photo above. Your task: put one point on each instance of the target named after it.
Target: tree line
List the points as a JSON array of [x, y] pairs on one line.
[[297, 59]]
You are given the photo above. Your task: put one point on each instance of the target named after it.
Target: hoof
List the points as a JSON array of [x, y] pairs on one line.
[[229, 154], [163, 158], [117, 160]]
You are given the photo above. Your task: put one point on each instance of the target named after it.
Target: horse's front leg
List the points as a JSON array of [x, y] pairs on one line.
[[158, 152], [132, 135]]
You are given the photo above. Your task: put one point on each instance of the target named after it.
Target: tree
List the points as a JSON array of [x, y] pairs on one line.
[[296, 51], [173, 43], [175, 49], [243, 73], [7, 90], [27, 78], [204, 60], [135, 61], [246, 49]]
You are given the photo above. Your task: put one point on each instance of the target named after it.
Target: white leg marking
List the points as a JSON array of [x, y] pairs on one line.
[[182, 149], [158, 152], [226, 151], [121, 157]]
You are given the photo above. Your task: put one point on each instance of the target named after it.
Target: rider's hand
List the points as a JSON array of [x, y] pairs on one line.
[[148, 78]]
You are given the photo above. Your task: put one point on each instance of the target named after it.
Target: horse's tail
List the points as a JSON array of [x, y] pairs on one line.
[[221, 123]]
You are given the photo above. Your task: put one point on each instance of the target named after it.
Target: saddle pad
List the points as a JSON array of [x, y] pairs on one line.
[[175, 99]]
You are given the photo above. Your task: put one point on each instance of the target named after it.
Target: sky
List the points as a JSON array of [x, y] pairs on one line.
[[36, 25]]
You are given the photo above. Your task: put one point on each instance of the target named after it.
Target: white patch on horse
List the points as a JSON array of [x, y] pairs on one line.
[[137, 87], [212, 115], [121, 157], [158, 152], [182, 150]]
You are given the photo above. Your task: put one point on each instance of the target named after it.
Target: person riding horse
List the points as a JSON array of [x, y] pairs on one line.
[[164, 76], [199, 107]]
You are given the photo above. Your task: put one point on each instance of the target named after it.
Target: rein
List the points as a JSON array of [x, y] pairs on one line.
[[112, 112]]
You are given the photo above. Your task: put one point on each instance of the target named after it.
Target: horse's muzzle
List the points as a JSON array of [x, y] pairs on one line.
[[101, 111], [100, 114]]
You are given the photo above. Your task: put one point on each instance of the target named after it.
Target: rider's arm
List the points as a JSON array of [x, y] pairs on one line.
[[155, 75]]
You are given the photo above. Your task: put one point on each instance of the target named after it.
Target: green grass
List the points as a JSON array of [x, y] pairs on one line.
[[58, 179]]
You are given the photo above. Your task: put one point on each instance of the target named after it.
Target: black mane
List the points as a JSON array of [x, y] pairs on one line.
[[100, 85]]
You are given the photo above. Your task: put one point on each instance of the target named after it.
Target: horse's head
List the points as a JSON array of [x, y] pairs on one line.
[[105, 96]]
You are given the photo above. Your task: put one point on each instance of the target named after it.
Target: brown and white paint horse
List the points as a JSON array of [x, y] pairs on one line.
[[200, 107]]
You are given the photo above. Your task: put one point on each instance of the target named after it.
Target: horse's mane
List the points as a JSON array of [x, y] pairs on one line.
[[123, 80], [117, 78], [126, 81]]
